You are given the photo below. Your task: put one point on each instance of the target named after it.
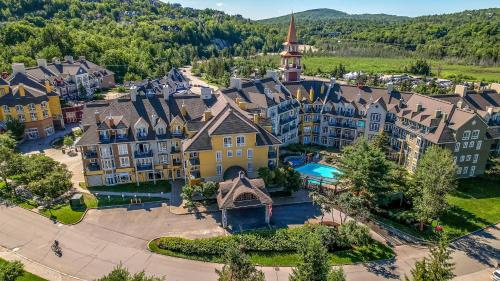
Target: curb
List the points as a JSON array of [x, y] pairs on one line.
[[474, 232], [88, 209]]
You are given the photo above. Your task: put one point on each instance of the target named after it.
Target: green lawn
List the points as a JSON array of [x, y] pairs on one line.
[[26, 276], [474, 205], [65, 214], [145, 187], [396, 65], [375, 251]]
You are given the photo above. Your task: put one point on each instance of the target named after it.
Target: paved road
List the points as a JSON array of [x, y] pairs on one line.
[[107, 237]]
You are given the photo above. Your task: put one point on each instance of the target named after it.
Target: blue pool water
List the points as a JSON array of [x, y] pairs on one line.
[[318, 170]]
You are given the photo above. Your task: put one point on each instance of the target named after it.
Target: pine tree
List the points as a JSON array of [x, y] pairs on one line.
[[238, 267], [438, 267], [314, 264], [419, 273]]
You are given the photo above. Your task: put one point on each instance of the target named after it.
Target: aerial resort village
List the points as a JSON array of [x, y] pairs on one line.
[[175, 175]]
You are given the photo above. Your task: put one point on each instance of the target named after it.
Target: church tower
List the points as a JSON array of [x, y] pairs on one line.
[[290, 57]]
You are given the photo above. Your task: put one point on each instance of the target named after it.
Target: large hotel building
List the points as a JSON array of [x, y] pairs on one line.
[[164, 133]]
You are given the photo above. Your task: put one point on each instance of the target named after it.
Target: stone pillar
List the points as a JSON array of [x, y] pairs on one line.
[[268, 213], [224, 218]]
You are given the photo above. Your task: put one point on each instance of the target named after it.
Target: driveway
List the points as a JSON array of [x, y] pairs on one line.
[[196, 82], [107, 237]]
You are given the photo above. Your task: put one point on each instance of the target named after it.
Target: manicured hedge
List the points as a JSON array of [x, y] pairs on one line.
[[280, 240]]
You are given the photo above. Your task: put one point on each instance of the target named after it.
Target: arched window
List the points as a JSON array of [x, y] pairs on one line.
[[246, 197]]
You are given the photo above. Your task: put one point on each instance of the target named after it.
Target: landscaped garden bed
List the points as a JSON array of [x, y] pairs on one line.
[[144, 187], [350, 243]]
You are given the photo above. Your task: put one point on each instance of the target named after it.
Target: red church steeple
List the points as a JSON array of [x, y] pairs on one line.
[[290, 57]]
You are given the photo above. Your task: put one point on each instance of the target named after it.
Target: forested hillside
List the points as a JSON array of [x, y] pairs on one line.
[[330, 14], [134, 38], [469, 36]]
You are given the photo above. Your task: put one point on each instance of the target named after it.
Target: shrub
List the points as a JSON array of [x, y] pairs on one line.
[[10, 271], [280, 240]]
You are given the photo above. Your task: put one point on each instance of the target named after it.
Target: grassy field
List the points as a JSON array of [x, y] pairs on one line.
[[26, 276], [474, 205], [65, 214], [375, 251], [396, 65], [145, 187]]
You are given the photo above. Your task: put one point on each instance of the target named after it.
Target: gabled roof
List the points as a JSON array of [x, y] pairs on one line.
[[229, 191], [31, 95], [291, 37]]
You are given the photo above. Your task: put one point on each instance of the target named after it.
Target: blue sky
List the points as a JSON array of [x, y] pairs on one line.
[[258, 9]]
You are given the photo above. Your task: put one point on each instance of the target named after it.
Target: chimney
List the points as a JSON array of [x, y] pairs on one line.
[[97, 117], [81, 58], [41, 62], [461, 90], [111, 122], [311, 94], [460, 104], [272, 74], [489, 109], [419, 107], [207, 114], [235, 83], [55, 60], [133, 93], [18, 67], [333, 81], [241, 175], [20, 89], [438, 113], [184, 109], [165, 90], [390, 87], [445, 117], [256, 118], [495, 87], [69, 59], [206, 93], [48, 86]]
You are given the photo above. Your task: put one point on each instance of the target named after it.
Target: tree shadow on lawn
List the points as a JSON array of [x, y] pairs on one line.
[[477, 188], [460, 221], [475, 247], [386, 269]]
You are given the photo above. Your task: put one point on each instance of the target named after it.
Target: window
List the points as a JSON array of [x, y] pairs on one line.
[[228, 142], [240, 141], [229, 153], [465, 144], [33, 116], [246, 197], [478, 146], [457, 147], [164, 159], [474, 160], [106, 151], [462, 158], [466, 135], [122, 149], [108, 164], [465, 170], [471, 144], [19, 109], [163, 147], [250, 168], [468, 157], [32, 133], [455, 160], [21, 118], [475, 135], [459, 170], [124, 162], [6, 109], [238, 153], [44, 105], [375, 117], [45, 114], [160, 131], [472, 171], [219, 169], [250, 153], [374, 127], [49, 131], [218, 156], [31, 106]]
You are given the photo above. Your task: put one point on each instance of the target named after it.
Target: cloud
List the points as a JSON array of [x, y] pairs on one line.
[[219, 4]]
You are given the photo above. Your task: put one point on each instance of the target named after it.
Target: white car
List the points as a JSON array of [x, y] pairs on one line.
[[496, 275]]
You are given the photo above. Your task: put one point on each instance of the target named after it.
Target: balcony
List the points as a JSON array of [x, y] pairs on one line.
[[348, 137], [177, 163], [104, 139], [141, 136], [90, 154], [194, 161], [93, 167], [175, 150], [146, 154], [144, 167]]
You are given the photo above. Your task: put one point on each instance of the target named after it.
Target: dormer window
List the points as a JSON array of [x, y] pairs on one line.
[[104, 135], [31, 106], [121, 133], [6, 109], [160, 131], [44, 105], [142, 132], [19, 109]]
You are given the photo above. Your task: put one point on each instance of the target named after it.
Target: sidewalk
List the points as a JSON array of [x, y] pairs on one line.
[[133, 194], [36, 268]]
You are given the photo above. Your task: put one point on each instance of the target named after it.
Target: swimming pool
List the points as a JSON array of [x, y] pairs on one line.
[[318, 171]]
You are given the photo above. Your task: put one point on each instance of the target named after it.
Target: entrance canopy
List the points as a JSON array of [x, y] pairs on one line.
[[243, 192]]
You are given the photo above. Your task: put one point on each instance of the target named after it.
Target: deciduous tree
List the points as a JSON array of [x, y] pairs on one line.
[[122, 274], [238, 267]]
